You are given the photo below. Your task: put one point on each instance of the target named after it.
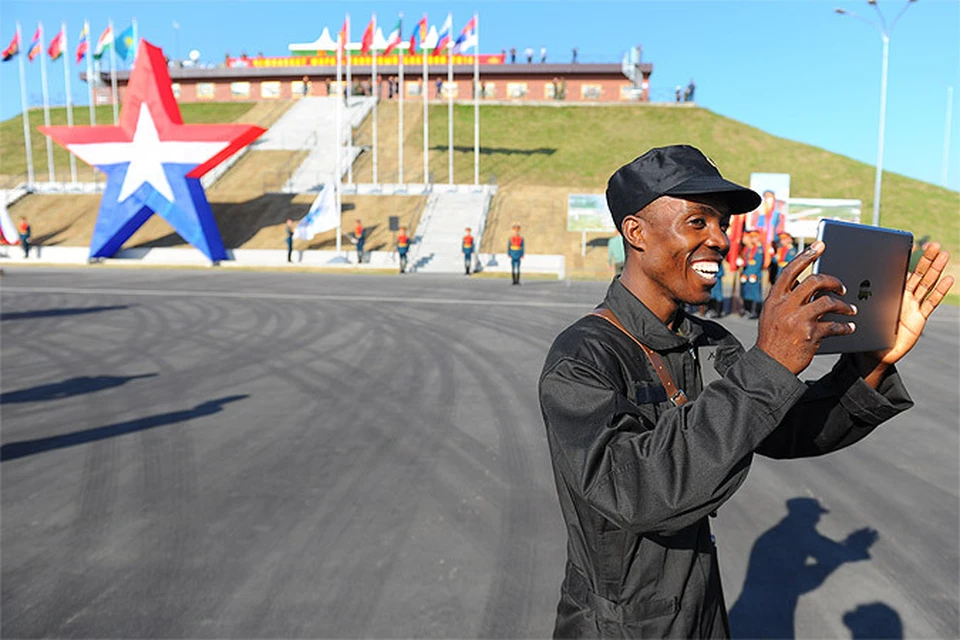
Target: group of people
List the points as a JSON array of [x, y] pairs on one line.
[[468, 246], [685, 94], [529, 53], [752, 262]]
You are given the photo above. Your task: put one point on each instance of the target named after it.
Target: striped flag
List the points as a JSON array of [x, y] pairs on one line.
[[419, 30], [104, 42], [394, 39], [467, 38], [35, 47], [83, 45], [444, 39]]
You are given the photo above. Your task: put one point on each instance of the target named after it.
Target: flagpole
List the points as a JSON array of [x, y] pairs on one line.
[[90, 78], [136, 43], [113, 73], [65, 44], [26, 115], [476, 103], [400, 108], [426, 117], [450, 100], [349, 100], [338, 119], [376, 90], [46, 102]]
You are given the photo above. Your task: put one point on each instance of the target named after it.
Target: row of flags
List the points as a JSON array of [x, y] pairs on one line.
[[124, 44], [466, 39]]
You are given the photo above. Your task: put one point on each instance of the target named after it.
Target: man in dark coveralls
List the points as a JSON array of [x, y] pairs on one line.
[[643, 453]]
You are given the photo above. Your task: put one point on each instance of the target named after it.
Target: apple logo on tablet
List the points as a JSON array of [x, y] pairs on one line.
[[865, 292]]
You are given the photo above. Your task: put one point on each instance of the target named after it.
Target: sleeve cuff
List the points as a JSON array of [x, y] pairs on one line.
[[768, 383], [873, 406]]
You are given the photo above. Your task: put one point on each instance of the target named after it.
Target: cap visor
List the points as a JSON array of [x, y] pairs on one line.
[[739, 199]]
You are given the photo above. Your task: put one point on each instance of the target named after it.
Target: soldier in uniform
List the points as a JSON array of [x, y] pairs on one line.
[[751, 268], [515, 251], [784, 253], [403, 245], [358, 234], [467, 247]]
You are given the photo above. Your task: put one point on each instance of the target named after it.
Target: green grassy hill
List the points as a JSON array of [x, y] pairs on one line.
[[537, 154], [580, 147]]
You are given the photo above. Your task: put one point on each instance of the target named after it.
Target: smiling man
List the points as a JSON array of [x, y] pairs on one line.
[[653, 416]]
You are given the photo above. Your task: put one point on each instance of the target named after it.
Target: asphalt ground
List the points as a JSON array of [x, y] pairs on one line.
[[192, 454]]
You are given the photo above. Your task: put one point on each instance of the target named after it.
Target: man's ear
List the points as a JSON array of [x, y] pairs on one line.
[[633, 230]]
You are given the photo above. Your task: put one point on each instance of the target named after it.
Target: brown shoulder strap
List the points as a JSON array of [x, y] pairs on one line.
[[677, 396]]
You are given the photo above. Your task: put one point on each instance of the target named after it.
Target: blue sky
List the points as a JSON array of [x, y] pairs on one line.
[[794, 69]]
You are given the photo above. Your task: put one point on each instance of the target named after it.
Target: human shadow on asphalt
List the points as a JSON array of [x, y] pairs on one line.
[[788, 560], [874, 621], [25, 448], [68, 388], [55, 313]]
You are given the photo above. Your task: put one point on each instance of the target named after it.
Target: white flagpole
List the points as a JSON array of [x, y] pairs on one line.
[[113, 72], [26, 115], [376, 91], [349, 100], [65, 44], [426, 118], [450, 100], [400, 108], [476, 103], [46, 101], [90, 78], [338, 119], [136, 44]]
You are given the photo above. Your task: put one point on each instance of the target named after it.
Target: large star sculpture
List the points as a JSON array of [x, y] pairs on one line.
[[154, 162]]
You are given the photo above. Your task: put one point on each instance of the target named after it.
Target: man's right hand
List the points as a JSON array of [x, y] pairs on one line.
[[790, 328]]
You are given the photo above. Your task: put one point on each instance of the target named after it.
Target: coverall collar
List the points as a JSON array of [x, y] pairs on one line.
[[646, 326]]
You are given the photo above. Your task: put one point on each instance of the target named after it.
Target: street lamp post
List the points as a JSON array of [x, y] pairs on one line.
[[885, 38]]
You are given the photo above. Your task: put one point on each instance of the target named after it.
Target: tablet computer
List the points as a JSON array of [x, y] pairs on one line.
[[871, 262]]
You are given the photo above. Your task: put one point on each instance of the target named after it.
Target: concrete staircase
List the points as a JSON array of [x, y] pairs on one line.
[[310, 126], [437, 240]]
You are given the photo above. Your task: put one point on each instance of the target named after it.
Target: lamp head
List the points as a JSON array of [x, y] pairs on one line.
[[842, 12]]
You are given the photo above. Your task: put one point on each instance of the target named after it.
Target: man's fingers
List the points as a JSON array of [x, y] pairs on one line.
[[833, 328], [829, 304], [929, 255], [936, 296], [932, 274], [818, 283], [787, 279]]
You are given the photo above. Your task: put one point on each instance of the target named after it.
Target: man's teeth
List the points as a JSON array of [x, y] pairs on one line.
[[706, 269]]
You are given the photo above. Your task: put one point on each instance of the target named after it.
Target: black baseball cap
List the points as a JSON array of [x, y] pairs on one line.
[[678, 170]]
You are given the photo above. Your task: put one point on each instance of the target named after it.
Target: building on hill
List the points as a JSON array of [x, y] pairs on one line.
[[256, 79]]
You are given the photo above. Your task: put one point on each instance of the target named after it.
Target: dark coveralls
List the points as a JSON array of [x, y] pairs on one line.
[[289, 244], [515, 251], [637, 477], [360, 232], [403, 245], [467, 247]]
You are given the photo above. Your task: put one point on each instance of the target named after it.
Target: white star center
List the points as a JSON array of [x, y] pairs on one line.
[[147, 154]]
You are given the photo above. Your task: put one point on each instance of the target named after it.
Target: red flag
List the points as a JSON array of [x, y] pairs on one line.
[[367, 41], [55, 50], [12, 49], [345, 33]]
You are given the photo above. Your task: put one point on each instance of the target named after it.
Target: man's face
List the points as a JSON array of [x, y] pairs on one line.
[[685, 241], [769, 201]]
